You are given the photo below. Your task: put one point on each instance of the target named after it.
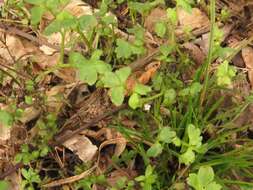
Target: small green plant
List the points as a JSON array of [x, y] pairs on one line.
[[89, 181], [138, 91], [31, 177], [194, 144], [203, 180], [225, 74], [148, 180], [123, 184], [116, 81]]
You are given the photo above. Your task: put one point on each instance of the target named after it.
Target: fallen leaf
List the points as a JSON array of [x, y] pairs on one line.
[[156, 15], [15, 181], [29, 114], [82, 147], [15, 47], [196, 19], [195, 52], [247, 55]]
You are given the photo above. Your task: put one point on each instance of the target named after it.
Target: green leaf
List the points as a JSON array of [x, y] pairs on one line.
[[155, 150], [89, 69], [87, 73], [123, 74], [117, 95], [53, 27], [134, 101], [29, 100], [25, 173], [195, 88], [87, 22], [36, 14], [194, 134], [214, 186], [4, 185], [160, 29], [64, 20], [225, 73], [142, 89], [188, 157], [192, 180], [172, 15], [35, 2], [166, 135], [205, 175], [169, 97], [185, 4], [111, 80], [6, 118], [123, 49]]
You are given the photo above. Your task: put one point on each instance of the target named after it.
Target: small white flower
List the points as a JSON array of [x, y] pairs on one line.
[[147, 107]]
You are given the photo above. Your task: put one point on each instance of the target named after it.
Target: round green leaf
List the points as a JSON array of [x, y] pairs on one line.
[[117, 95]]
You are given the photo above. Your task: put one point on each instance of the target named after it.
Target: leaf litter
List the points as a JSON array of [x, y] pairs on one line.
[[61, 86]]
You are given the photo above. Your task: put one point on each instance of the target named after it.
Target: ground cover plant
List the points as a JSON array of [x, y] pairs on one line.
[[126, 94]]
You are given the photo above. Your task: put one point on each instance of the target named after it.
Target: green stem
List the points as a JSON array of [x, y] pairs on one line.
[[146, 100], [210, 51], [63, 34]]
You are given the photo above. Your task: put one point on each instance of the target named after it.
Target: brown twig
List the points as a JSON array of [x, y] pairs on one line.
[[15, 31]]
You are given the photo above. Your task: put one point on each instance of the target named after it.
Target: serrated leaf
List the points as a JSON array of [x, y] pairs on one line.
[[194, 134], [117, 95], [111, 80], [166, 135], [214, 186], [87, 73], [205, 175], [123, 49], [188, 157], [123, 74], [192, 180], [87, 22]]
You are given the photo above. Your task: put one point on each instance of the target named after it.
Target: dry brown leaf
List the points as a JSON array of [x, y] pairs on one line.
[[196, 19], [15, 181], [195, 52], [156, 15], [56, 96], [120, 143], [29, 114], [149, 73], [82, 147], [247, 55], [5, 133], [45, 61], [15, 46]]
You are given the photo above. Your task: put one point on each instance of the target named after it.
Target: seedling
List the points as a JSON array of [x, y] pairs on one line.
[[203, 180]]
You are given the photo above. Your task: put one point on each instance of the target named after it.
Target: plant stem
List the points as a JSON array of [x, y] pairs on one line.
[[210, 51]]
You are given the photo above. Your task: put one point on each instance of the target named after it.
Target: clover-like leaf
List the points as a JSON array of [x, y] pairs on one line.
[[123, 49], [188, 157], [205, 175], [194, 134], [166, 135], [155, 150], [134, 101], [117, 95]]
